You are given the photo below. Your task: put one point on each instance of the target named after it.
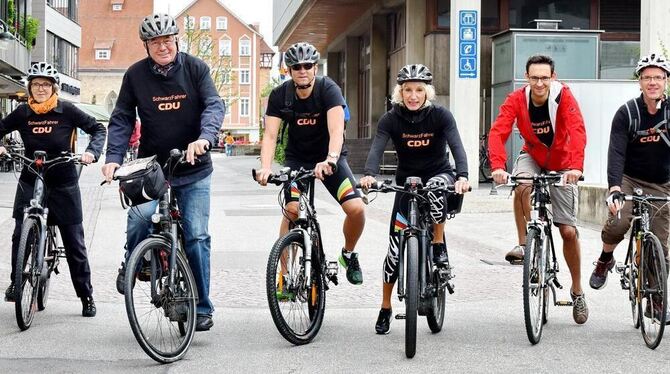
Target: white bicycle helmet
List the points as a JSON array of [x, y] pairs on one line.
[[654, 59], [158, 24], [43, 70]]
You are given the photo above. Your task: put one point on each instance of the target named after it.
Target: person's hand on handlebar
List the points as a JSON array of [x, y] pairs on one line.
[[196, 148], [462, 185], [572, 176], [108, 171], [367, 181], [500, 176], [323, 169], [615, 200], [87, 158], [262, 176]]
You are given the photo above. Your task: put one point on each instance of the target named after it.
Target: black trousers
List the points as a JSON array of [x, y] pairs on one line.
[[75, 252]]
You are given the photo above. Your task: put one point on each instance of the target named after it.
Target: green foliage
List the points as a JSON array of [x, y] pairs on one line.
[[280, 154], [28, 29], [32, 26], [665, 53]]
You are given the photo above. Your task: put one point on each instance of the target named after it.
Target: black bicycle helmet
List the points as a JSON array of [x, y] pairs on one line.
[[655, 60], [300, 53], [43, 70], [157, 24], [415, 73]]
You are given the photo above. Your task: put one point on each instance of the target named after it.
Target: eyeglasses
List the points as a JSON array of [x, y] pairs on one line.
[[534, 80], [43, 86], [157, 44], [649, 78], [306, 66]]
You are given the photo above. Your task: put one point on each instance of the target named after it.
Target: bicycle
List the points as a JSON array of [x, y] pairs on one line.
[[39, 252], [160, 291], [643, 272], [484, 164], [540, 268], [421, 283], [298, 272]]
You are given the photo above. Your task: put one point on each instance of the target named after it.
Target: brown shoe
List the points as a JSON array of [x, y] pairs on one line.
[[580, 312], [515, 256]]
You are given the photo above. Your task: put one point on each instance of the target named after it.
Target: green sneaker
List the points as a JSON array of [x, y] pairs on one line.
[[354, 274]]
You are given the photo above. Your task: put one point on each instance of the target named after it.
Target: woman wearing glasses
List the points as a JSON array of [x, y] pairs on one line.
[[49, 124]]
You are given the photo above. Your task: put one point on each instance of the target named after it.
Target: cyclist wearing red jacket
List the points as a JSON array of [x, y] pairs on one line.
[[551, 124]]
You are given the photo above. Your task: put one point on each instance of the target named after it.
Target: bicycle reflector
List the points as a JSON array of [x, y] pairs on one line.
[[39, 162]]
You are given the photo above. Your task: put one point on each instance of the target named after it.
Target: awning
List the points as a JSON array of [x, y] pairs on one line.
[[10, 87], [103, 44], [96, 111]]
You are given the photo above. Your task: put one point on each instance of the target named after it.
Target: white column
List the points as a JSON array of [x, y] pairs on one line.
[[464, 78], [654, 27]]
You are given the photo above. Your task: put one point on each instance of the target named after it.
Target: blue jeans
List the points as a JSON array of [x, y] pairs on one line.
[[229, 149], [193, 201]]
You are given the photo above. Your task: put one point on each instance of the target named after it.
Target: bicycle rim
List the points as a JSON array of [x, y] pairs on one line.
[[411, 295], [533, 286], [162, 321], [653, 286], [26, 277]]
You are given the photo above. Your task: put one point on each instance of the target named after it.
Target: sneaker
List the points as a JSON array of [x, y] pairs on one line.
[[440, 254], [9, 293], [515, 256], [598, 279], [121, 279], [88, 307], [383, 325], [354, 274], [657, 306], [580, 312]]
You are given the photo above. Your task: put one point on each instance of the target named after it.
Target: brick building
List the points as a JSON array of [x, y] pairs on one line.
[[245, 57]]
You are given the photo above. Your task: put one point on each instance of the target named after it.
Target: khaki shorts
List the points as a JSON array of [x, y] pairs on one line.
[[564, 199]]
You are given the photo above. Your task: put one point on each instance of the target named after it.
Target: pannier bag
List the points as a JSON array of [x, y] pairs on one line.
[[141, 181]]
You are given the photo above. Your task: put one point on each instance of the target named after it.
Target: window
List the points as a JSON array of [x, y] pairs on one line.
[[68, 8], [205, 23], [244, 76], [245, 46], [62, 55], [189, 23], [225, 79], [103, 54], [225, 46], [227, 101], [205, 47], [117, 7], [575, 14], [244, 107], [221, 23]]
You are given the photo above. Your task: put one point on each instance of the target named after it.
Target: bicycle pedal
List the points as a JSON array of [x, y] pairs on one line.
[[334, 280], [450, 288], [563, 303], [56, 271], [400, 316], [619, 268]]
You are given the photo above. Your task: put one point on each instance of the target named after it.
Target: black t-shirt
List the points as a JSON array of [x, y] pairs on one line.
[[541, 122], [308, 135]]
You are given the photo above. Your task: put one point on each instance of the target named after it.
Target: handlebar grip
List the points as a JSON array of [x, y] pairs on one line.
[[253, 173], [333, 166]]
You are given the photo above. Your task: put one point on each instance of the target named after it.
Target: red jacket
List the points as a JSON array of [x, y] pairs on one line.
[[567, 148]]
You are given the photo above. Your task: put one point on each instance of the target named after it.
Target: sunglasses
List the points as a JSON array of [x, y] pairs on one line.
[[306, 66]]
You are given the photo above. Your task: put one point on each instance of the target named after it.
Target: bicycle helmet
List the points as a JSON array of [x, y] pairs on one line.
[[654, 59], [157, 24], [43, 70], [300, 53], [415, 73]]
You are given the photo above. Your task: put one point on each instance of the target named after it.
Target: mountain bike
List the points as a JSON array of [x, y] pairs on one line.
[[421, 283], [643, 273], [540, 268], [160, 291], [39, 253], [298, 272]]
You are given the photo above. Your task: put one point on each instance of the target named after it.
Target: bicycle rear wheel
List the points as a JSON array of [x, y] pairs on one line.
[[534, 294], [162, 316], [26, 277], [653, 291], [411, 294], [435, 316], [297, 308], [50, 252]]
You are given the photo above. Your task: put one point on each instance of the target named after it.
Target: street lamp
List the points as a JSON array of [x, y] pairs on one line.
[[5, 35]]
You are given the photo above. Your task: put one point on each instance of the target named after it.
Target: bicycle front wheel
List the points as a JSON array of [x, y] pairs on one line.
[[534, 294], [653, 291], [161, 315], [411, 294], [26, 277], [297, 307]]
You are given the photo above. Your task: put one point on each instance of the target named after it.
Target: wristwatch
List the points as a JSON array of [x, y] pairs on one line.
[[334, 155]]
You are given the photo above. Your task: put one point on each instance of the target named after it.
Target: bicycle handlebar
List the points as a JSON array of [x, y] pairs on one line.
[[386, 186], [554, 178], [69, 157], [286, 174]]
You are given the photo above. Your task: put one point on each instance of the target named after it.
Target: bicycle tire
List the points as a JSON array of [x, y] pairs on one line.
[[533, 286], [288, 293], [654, 290], [632, 275], [411, 294], [43, 289], [175, 313], [435, 315], [26, 277]]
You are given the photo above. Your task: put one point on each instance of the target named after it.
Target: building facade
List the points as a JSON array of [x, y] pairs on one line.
[[239, 57]]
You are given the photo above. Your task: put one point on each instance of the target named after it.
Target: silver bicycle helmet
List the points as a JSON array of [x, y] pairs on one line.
[[43, 70], [300, 53], [654, 59], [415, 73], [158, 24]]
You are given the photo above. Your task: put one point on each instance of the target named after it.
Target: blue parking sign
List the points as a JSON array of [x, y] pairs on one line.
[[467, 44]]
